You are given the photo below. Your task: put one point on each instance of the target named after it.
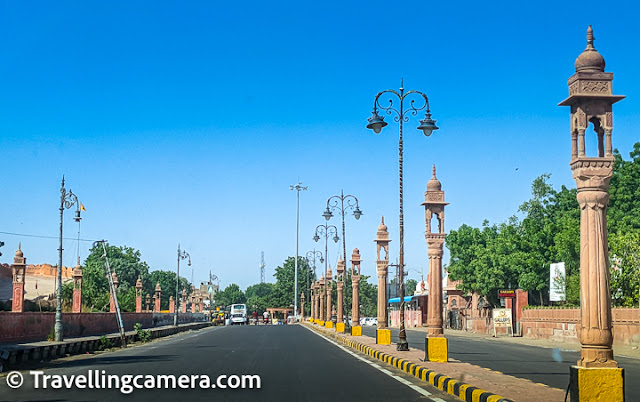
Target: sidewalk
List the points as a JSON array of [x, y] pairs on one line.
[[455, 377], [12, 354], [568, 344]]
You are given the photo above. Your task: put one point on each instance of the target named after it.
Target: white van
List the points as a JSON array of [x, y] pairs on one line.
[[239, 314]]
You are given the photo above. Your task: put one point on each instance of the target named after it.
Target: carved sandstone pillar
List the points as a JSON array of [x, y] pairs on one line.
[[355, 306], [329, 286], [158, 291], [184, 301], [302, 306], [18, 269], [77, 289], [355, 287], [172, 305], [434, 308], [139, 295], [595, 329], [321, 296], [340, 288], [382, 266], [112, 304]]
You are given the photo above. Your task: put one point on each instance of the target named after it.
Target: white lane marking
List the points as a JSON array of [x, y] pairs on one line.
[[424, 392], [387, 372]]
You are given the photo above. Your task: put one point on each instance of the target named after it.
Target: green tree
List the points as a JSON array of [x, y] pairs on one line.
[[624, 204], [258, 296], [282, 295], [167, 280], [411, 286], [230, 295], [624, 257], [124, 261]]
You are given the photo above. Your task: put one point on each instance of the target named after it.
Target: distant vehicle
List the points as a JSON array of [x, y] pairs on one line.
[[239, 314], [371, 321]]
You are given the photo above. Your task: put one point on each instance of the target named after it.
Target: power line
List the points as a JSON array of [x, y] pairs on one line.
[[45, 237]]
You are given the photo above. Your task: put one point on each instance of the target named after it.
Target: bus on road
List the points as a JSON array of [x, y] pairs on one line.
[[239, 314]]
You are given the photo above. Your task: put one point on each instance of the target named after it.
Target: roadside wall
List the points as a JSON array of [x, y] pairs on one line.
[[564, 325], [29, 327]]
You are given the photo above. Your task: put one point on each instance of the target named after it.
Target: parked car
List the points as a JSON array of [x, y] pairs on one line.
[[371, 321]]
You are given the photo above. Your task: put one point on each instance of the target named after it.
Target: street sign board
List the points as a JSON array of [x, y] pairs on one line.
[[502, 319], [557, 291], [507, 293]]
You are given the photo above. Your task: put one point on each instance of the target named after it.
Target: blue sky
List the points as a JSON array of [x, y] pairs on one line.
[[186, 123]]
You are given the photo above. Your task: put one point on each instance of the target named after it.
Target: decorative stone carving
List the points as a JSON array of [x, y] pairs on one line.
[[434, 206], [592, 174], [382, 267]]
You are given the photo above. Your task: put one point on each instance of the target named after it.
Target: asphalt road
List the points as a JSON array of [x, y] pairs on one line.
[[294, 364], [538, 364]]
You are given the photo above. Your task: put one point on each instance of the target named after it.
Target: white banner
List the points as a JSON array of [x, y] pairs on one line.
[[557, 281]]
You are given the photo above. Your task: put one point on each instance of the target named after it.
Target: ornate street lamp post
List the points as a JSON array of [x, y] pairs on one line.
[[326, 230], [181, 256], [337, 202], [67, 200], [427, 126], [312, 256]]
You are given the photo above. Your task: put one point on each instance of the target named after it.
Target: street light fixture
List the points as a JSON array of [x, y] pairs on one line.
[[67, 200], [181, 256], [337, 202], [326, 230], [298, 187], [427, 126], [312, 255]]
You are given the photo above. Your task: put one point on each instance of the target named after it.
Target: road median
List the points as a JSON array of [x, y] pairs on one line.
[[455, 377]]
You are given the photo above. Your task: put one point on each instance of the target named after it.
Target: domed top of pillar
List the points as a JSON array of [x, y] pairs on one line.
[[115, 278], [382, 235], [340, 267], [355, 256], [19, 250], [139, 283], [77, 271], [434, 184], [158, 288], [329, 274], [19, 257], [590, 60]]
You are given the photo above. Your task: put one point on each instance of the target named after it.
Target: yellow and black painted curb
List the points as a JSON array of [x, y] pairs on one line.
[[449, 385]]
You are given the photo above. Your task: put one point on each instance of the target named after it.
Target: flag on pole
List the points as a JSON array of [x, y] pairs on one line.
[[82, 207]]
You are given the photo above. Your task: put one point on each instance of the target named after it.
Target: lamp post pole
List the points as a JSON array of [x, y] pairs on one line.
[[67, 200], [181, 256], [312, 255], [337, 202], [427, 125], [298, 187], [326, 230]]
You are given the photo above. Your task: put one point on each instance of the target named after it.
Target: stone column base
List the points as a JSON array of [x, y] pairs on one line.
[[320, 322], [596, 384], [328, 324], [383, 336], [436, 349], [356, 331], [340, 327]]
